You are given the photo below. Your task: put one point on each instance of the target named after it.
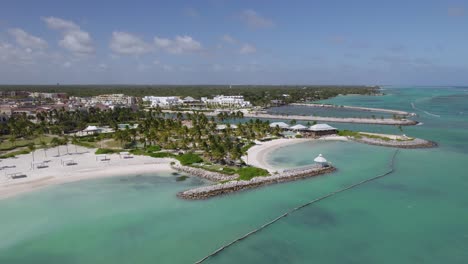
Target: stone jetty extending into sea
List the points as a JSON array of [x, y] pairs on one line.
[[360, 108], [406, 144], [354, 120], [206, 192], [208, 175]]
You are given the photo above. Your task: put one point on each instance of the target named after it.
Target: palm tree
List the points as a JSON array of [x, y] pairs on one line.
[[74, 142], [32, 148], [65, 142], [44, 146], [12, 140], [56, 142]]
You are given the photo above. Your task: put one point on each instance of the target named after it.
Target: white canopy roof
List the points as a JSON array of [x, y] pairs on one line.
[[321, 127], [223, 126], [91, 128], [298, 127], [279, 124], [320, 159]]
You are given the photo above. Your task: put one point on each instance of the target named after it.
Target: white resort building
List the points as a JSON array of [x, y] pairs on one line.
[[281, 125], [163, 101], [113, 99], [224, 100]]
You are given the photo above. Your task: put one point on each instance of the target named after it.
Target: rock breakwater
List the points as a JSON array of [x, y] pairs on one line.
[[407, 144], [209, 175], [234, 186]]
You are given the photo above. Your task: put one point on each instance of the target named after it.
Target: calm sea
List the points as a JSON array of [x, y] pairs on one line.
[[418, 214]]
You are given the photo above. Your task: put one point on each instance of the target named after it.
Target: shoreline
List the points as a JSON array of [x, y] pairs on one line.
[[87, 168], [257, 155]]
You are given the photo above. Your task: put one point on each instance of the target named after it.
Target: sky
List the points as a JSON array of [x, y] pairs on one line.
[[399, 42]]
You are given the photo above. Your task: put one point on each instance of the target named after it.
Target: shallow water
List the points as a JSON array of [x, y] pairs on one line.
[[418, 214]]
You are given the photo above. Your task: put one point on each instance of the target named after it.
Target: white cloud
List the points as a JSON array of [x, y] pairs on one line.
[[27, 40], [128, 44], [13, 55], [167, 67], [229, 39], [247, 49], [74, 38], [67, 64], [178, 45], [254, 20]]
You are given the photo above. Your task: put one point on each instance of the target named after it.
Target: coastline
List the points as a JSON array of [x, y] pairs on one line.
[[87, 167], [257, 155]]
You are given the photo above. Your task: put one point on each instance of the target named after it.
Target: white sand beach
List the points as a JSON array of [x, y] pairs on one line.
[[256, 155], [88, 166]]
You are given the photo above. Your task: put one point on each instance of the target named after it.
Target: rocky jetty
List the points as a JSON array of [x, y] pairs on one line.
[[352, 120], [234, 186], [209, 175], [360, 108], [407, 144]]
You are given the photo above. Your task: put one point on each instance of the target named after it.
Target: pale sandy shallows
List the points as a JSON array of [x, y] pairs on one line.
[[87, 167], [256, 155]]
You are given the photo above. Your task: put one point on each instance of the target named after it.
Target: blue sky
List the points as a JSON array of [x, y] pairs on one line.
[[234, 42]]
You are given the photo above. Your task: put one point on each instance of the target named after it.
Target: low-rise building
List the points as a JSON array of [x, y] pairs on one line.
[[227, 100], [163, 101], [113, 99], [319, 130]]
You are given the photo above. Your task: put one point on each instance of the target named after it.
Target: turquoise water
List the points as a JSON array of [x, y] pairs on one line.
[[419, 214]]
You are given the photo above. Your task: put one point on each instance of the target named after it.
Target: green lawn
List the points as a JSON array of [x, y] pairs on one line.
[[7, 145]]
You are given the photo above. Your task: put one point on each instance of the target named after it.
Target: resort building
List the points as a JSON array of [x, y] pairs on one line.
[[228, 101], [319, 130], [281, 125], [113, 99], [298, 128], [163, 101]]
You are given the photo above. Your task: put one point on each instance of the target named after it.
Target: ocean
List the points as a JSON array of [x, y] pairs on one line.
[[418, 214]]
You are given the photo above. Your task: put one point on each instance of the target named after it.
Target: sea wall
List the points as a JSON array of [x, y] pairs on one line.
[[353, 120], [360, 108], [209, 175], [235, 186], [407, 144]]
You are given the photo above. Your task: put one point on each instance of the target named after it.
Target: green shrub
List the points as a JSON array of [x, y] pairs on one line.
[[189, 158], [83, 144], [298, 136], [248, 173], [247, 146], [107, 151], [349, 133], [15, 153], [161, 155], [153, 148]]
